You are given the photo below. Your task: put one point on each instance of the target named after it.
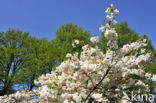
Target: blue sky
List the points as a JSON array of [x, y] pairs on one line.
[[43, 17]]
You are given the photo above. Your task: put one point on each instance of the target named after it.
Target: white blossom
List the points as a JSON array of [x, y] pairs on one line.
[[108, 10], [148, 75], [77, 42], [145, 40], [112, 5], [111, 34], [73, 45], [143, 51], [116, 11], [154, 78], [68, 55], [114, 22], [102, 28], [94, 39], [110, 17]]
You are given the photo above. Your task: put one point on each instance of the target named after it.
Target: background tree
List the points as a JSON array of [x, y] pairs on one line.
[[12, 58], [65, 35], [41, 57], [24, 58]]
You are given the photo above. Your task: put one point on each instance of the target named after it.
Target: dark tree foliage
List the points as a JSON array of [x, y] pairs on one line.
[[12, 58], [65, 35], [41, 57]]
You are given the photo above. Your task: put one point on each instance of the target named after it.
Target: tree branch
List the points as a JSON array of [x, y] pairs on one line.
[[98, 83]]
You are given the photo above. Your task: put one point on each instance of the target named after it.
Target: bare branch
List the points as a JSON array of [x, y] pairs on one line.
[[98, 83]]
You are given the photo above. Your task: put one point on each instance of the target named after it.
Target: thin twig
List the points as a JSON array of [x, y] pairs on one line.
[[98, 83]]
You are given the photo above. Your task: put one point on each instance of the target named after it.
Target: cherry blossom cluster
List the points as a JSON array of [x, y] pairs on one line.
[[110, 33], [94, 39], [93, 76], [18, 97], [74, 79]]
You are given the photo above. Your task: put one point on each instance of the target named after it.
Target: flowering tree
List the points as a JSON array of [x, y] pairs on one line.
[[91, 76]]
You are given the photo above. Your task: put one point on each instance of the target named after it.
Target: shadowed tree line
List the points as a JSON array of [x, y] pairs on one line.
[[24, 58]]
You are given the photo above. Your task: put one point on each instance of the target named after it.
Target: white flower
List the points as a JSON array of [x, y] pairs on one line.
[[114, 22], [112, 44], [107, 26], [112, 5], [111, 34], [143, 59], [66, 101], [108, 10], [144, 40], [154, 78], [73, 45], [139, 83], [110, 17], [116, 11], [94, 39], [96, 95], [102, 28], [76, 97], [77, 42], [85, 47], [68, 55], [143, 51], [137, 72], [148, 75]]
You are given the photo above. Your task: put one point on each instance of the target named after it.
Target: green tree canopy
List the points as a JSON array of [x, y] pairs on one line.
[[41, 57], [65, 35], [12, 52]]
